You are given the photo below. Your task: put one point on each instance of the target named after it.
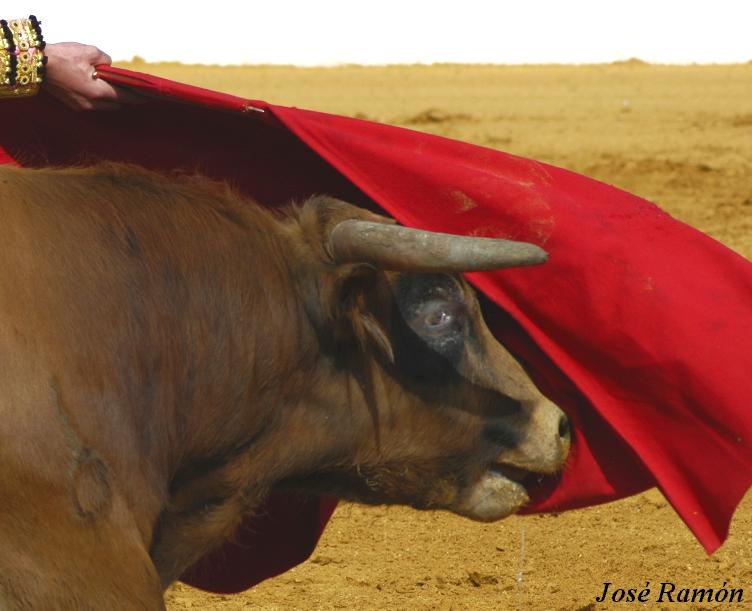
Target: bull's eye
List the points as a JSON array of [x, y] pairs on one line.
[[437, 317], [438, 321]]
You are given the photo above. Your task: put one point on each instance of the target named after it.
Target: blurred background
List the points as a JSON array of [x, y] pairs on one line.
[[331, 32]]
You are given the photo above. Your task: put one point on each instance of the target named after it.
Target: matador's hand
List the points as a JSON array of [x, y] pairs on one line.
[[72, 79]]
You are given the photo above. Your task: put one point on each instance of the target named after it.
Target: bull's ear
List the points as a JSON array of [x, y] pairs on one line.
[[357, 303], [352, 303], [373, 331]]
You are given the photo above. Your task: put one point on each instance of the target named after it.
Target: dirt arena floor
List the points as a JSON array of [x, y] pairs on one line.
[[679, 136]]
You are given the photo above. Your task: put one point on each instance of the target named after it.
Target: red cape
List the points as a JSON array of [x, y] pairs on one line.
[[639, 326]]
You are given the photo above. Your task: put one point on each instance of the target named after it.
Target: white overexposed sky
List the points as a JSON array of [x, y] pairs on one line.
[[327, 32]]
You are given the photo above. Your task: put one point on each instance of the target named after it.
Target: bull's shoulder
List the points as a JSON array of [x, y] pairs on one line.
[[116, 177], [111, 192]]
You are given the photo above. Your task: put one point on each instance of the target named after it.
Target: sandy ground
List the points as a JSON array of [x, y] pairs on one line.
[[679, 136]]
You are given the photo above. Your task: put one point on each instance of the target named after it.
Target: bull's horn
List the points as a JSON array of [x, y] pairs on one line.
[[391, 247]]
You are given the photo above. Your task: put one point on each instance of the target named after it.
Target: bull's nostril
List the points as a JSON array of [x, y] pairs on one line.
[[563, 427]]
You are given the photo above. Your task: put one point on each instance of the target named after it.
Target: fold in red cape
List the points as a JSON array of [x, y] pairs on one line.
[[638, 326]]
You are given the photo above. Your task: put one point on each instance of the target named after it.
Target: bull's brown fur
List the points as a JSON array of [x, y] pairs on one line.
[[168, 353]]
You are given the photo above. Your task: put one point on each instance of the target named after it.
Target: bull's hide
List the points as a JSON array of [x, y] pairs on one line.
[[639, 326]]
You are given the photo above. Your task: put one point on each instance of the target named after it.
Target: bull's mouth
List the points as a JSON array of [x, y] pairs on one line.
[[498, 493], [516, 474]]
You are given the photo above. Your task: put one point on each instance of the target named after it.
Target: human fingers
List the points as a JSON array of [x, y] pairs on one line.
[[99, 57], [108, 92]]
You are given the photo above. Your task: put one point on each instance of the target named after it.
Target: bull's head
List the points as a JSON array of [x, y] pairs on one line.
[[422, 406]]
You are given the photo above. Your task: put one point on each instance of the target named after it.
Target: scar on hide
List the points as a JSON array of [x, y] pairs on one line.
[[132, 242], [88, 476]]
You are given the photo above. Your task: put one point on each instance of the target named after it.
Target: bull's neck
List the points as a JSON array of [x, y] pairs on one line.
[[242, 346]]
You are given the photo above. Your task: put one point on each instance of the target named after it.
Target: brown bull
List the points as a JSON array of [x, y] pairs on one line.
[[170, 352]]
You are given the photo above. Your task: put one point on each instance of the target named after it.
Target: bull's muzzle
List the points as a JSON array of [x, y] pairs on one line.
[[543, 450], [545, 445]]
